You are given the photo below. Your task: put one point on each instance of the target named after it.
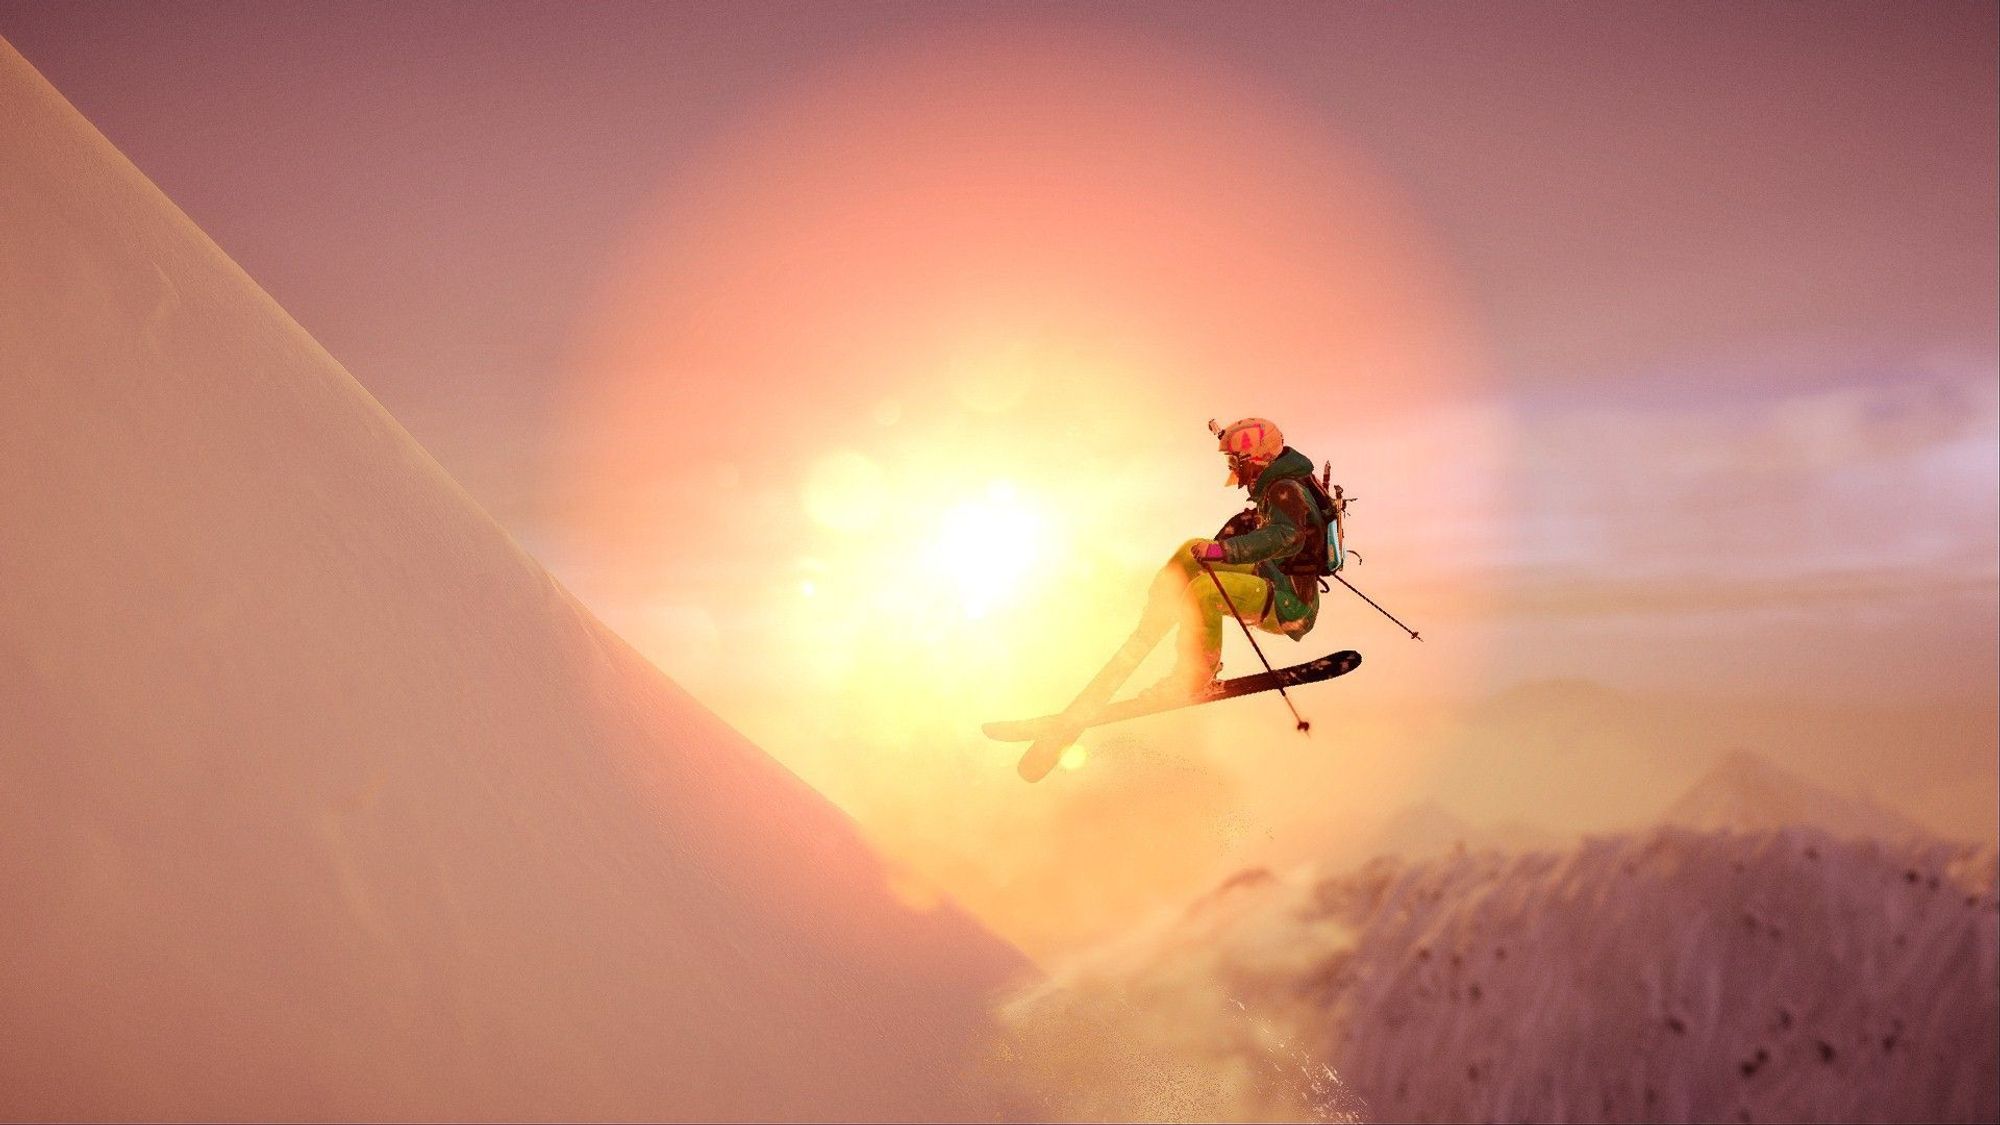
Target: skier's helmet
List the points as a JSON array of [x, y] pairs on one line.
[[1251, 441]]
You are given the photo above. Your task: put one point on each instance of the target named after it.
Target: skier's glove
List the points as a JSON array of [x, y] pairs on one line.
[[1208, 550]]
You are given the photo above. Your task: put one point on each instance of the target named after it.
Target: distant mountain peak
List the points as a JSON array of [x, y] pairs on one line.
[[1747, 792]]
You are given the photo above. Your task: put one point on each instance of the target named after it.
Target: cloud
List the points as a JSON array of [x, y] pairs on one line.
[[1878, 485]]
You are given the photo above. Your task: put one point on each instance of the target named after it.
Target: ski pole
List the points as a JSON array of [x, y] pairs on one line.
[[1414, 635], [1304, 727]]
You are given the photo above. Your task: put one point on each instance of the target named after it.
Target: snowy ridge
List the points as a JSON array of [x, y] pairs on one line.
[[320, 799], [1670, 976]]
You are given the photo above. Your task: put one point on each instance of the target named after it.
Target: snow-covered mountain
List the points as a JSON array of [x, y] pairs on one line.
[[1745, 792], [319, 798], [1664, 976]]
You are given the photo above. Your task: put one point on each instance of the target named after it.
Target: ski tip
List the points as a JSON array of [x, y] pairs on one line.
[[1034, 767], [1045, 755]]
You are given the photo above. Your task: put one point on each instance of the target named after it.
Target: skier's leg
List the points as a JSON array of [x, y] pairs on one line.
[[1167, 604], [1169, 598], [1175, 594], [1198, 653]]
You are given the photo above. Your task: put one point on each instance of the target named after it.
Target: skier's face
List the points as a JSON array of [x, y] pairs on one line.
[[1242, 470]]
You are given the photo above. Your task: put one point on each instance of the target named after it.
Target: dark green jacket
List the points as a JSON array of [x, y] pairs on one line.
[[1288, 520]]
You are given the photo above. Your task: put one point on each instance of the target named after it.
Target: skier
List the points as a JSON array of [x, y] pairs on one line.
[[1264, 567], [1266, 561]]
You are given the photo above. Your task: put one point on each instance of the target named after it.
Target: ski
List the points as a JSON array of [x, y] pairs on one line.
[[1048, 732], [1048, 746]]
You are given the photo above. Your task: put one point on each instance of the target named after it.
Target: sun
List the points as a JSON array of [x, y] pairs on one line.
[[987, 546]]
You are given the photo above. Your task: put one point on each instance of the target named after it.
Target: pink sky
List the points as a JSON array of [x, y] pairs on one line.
[[1668, 215], [1661, 343], [1725, 275]]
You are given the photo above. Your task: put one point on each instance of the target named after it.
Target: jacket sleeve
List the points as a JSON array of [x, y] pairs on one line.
[[1282, 534]]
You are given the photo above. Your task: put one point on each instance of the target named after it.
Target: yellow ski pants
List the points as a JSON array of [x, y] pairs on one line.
[[1182, 596]]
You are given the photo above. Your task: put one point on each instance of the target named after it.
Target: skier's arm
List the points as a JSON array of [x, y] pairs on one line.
[[1242, 523], [1281, 536]]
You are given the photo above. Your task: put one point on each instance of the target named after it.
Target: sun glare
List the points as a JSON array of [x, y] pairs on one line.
[[895, 407], [986, 546]]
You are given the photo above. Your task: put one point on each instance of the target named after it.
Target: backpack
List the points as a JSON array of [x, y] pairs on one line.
[[1332, 503]]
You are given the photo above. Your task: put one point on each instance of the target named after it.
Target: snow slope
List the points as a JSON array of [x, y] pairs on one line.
[[320, 799], [1666, 976]]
